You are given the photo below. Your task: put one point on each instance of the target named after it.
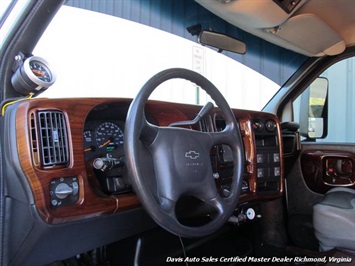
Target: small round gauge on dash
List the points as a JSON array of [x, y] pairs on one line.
[[33, 76], [270, 125], [40, 70], [258, 125]]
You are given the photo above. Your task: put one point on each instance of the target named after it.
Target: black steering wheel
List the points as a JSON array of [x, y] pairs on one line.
[[167, 163]]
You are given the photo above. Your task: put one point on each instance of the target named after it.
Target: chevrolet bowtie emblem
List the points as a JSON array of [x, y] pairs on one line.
[[192, 155]]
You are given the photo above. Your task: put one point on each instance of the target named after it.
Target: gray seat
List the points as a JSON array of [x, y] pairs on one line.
[[334, 219]]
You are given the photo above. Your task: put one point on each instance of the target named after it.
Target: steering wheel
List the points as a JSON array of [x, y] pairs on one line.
[[167, 163]]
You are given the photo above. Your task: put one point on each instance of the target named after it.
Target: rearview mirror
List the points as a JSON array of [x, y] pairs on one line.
[[222, 42], [313, 113]]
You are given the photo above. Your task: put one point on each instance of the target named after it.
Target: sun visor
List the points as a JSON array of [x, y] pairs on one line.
[[247, 14], [318, 39]]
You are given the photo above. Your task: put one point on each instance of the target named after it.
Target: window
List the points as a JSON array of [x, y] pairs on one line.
[[104, 56], [9, 13], [341, 98], [4, 7]]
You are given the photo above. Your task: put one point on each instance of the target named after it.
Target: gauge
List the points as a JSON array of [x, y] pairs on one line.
[[40, 70], [109, 136], [270, 125], [258, 125], [88, 141], [32, 76], [87, 136]]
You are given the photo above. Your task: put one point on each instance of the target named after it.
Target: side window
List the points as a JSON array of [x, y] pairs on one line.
[[334, 119]]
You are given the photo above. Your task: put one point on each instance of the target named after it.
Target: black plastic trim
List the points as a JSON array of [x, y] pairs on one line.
[[46, 243], [24, 36]]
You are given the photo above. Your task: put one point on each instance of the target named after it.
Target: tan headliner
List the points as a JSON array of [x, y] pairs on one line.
[[314, 28]]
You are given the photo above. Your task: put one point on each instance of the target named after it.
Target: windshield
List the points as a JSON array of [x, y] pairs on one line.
[[10, 11], [105, 56], [4, 6]]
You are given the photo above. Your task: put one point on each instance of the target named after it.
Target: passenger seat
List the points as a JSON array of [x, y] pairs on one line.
[[334, 219]]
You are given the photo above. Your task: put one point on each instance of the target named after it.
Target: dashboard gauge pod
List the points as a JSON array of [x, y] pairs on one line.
[[33, 76]]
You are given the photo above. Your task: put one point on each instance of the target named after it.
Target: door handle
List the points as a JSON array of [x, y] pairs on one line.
[[338, 170], [340, 167]]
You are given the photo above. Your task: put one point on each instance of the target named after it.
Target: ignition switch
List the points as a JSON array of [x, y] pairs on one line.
[[244, 216], [250, 213]]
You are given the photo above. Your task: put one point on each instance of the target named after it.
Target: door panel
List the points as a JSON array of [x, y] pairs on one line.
[[306, 186], [311, 176]]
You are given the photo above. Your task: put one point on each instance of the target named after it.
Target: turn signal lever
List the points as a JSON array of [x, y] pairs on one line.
[[204, 111], [107, 163]]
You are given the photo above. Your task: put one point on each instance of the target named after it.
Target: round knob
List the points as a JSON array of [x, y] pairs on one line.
[[99, 164], [63, 190]]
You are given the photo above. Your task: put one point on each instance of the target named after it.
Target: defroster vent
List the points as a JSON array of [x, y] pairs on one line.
[[50, 138]]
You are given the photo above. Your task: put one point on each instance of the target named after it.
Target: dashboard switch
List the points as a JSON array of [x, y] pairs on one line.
[[75, 188], [260, 158], [260, 172], [276, 157], [115, 184], [64, 191]]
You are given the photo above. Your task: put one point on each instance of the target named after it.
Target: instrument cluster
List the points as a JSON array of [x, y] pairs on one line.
[[103, 137], [104, 154]]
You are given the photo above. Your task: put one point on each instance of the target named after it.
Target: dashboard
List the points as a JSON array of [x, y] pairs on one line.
[[66, 173], [92, 179]]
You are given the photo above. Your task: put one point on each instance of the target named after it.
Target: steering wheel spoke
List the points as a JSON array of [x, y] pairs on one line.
[[217, 203], [227, 136], [148, 132]]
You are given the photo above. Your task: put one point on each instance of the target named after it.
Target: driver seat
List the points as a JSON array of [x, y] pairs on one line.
[[334, 219]]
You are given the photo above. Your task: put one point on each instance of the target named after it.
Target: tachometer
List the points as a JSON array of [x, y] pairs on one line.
[[109, 136]]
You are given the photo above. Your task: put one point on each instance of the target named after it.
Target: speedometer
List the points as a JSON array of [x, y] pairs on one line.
[[109, 136]]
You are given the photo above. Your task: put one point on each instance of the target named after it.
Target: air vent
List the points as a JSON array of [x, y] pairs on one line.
[[34, 142], [49, 139]]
